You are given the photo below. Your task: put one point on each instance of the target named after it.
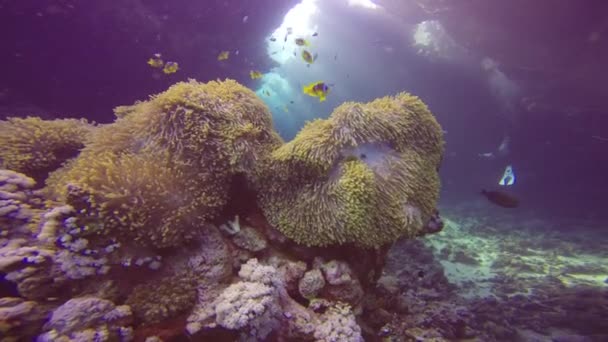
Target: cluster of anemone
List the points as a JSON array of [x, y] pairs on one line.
[[148, 188], [35, 146], [365, 176], [163, 168]]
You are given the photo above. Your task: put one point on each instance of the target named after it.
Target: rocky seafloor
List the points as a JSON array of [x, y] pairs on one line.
[[495, 275], [486, 276]]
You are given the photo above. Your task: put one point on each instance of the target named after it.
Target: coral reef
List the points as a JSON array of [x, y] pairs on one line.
[[311, 283], [366, 176], [338, 324], [18, 203], [251, 305], [147, 234], [163, 169], [36, 147], [157, 300], [259, 304], [88, 319], [20, 318]]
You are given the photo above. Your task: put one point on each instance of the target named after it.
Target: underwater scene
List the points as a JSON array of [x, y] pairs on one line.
[[304, 170]]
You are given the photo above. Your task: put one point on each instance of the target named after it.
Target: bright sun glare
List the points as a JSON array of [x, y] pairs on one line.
[[298, 19], [363, 3]]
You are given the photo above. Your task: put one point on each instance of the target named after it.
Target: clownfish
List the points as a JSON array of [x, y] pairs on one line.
[[317, 89]]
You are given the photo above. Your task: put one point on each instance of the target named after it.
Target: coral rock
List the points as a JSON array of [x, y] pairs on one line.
[[338, 324], [311, 284], [250, 239], [88, 316]]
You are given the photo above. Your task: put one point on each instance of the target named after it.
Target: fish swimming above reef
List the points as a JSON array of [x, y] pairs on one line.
[[317, 89], [254, 74], [487, 155], [503, 148], [156, 61], [501, 151], [501, 198], [224, 55], [302, 42], [289, 31], [171, 68], [308, 57], [508, 177]]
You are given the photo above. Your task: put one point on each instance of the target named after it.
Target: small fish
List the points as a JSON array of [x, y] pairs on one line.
[[224, 55], [245, 19], [317, 89], [285, 109], [308, 57], [503, 149], [273, 39], [302, 42], [501, 198], [254, 74], [600, 138], [236, 53], [289, 31], [291, 101], [274, 53], [508, 177], [266, 92], [335, 57], [156, 61], [315, 34], [294, 54], [171, 68]]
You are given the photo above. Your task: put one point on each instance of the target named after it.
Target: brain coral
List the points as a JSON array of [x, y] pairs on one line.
[[35, 147], [367, 175], [163, 168]]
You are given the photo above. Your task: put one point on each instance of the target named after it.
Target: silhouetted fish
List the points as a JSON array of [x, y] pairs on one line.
[[501, 198]]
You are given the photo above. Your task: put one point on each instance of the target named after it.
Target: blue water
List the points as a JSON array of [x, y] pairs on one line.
[[509, 72], [529, 74]]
